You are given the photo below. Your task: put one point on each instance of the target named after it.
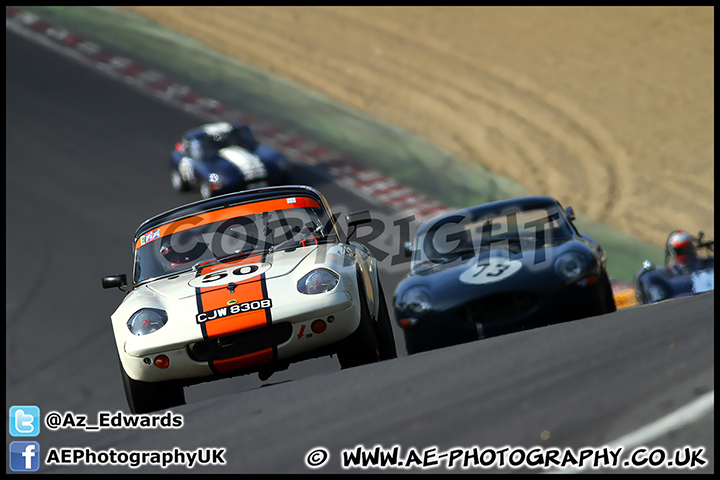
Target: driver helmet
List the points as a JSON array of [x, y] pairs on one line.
[[169, 253], [681, 248]]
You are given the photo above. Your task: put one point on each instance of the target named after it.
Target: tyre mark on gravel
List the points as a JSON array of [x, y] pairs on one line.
[[556, 121]]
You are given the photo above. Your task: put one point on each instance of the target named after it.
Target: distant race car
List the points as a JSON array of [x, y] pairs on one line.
[[243, 283], [689, 269], [221, 157], [499, 268]]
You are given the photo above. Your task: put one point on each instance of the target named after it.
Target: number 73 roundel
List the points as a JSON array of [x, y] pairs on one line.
[[490, 270]]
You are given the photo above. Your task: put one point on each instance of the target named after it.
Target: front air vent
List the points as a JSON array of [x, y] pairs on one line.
[[242, 343], [500, 307]]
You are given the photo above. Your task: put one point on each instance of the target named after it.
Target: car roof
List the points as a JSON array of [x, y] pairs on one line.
[[228, 200], [493, 208], [202, 129]]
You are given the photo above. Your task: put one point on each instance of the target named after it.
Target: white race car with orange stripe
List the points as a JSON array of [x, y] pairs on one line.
[[243, 283]]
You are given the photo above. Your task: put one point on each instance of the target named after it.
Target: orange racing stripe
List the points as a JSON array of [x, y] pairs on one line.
[[212, 298], [215, 298], [244, 361]]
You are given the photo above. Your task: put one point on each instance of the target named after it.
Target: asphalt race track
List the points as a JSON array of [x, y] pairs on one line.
[[86, 163]]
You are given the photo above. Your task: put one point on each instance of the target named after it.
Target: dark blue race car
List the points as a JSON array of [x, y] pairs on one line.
[[689, 269], [223, 157], [499, 268]]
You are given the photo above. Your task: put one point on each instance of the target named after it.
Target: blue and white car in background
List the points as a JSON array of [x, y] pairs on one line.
[[223, 157], [655, 283]]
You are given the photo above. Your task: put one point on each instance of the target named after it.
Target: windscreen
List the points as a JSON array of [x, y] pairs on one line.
[[222, 135], [232, 231], [462, 236]]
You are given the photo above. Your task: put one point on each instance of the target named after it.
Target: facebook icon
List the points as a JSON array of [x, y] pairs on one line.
[[24, 456]]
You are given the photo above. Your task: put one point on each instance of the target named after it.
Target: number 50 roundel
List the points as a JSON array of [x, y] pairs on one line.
[[490, 270], [234, 274]]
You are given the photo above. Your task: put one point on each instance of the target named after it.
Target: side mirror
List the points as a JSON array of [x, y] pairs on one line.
[[648, 265], [357, 218], [112, 281], [570, 213], [407, 249]]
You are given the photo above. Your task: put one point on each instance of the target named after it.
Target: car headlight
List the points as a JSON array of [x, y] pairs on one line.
[[416, 300], [214, 181], [318, 281], [147, 321], [570, 265]]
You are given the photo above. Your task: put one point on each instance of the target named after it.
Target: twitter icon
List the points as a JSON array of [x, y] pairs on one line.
[[24, 421]]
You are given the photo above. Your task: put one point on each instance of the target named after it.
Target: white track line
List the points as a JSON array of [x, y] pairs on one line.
[[672, 421]]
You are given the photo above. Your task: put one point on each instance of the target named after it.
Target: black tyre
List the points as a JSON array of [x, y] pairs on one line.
[[205, 190], [411, 347], [383, 329], [361, 347], [608, 297], [145, 397], [177, 182], [655, 292]]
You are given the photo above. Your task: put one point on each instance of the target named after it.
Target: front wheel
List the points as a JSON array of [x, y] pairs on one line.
[[145, 397], [411, 347], [205, 190], [608, 296], [177, 182], [361, 346], [383, 329]]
